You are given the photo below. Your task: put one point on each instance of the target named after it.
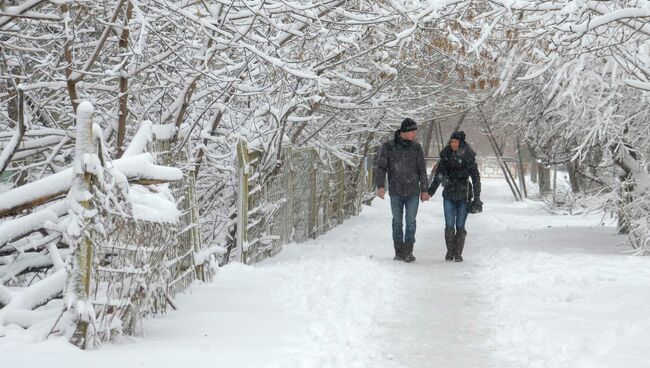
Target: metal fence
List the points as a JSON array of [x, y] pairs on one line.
[[490, 168]]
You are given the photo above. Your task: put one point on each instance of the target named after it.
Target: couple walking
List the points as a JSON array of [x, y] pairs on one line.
[[402, 160]]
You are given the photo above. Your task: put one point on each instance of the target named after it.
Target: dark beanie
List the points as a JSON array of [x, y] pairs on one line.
[[459, 135], [408, 125]]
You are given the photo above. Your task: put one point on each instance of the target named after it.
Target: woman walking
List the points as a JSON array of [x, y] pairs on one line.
[[457, 164]]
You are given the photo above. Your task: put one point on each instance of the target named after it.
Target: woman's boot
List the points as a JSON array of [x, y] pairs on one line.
[[399, 250], [460, 244], [450, 239], [408, 251]]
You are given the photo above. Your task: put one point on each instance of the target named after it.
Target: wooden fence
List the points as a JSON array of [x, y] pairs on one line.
[[304, 198], [124, 266]]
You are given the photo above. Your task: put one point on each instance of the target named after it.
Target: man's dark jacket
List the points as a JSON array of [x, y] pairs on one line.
[[453, 171], [403, 161]]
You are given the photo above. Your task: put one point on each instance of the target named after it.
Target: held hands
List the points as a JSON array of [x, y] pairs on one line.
[[381, 192], [424, 196]]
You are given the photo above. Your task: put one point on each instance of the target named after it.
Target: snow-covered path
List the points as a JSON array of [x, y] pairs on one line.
[[535, 290]]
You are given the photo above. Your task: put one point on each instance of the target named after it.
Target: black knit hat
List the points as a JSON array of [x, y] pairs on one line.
[[458, 135], [408, 125]]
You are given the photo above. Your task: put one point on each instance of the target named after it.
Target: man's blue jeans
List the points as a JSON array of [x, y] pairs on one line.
[[455, 213], [404, 207]]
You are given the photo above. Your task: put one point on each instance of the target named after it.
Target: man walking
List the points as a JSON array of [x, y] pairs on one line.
[[402, 160]]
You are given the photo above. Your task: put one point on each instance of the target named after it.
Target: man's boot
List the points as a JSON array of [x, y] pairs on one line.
[[408, 252], [460, 244], [399, 250], [450, 240]]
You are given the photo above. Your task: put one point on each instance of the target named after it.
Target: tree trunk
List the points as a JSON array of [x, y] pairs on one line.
[[124, 83], [626, 196], [573, 176], [16, 114], [544, 180], [67, 56], [426, 139], [520, 168], [534, 168], [626, 190]]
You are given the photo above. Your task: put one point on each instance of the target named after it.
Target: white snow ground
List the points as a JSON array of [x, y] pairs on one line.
[[535, 290]]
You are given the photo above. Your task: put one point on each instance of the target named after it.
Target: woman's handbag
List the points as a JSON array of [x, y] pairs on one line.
[[473, 205], [476, 206]]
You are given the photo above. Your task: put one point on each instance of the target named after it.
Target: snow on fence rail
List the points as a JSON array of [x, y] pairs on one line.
[[89, 251], [303, 198]]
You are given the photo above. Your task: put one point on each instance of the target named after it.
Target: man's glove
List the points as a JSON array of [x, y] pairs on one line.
[[476, 206]]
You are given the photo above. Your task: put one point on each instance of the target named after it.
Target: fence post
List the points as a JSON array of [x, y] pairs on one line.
[[202, 272], [360, 187], [326, 202], [370, 167], [242, 202], [82, 187], [313, 199], [287, 235], [340, 189], [85, 262]]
